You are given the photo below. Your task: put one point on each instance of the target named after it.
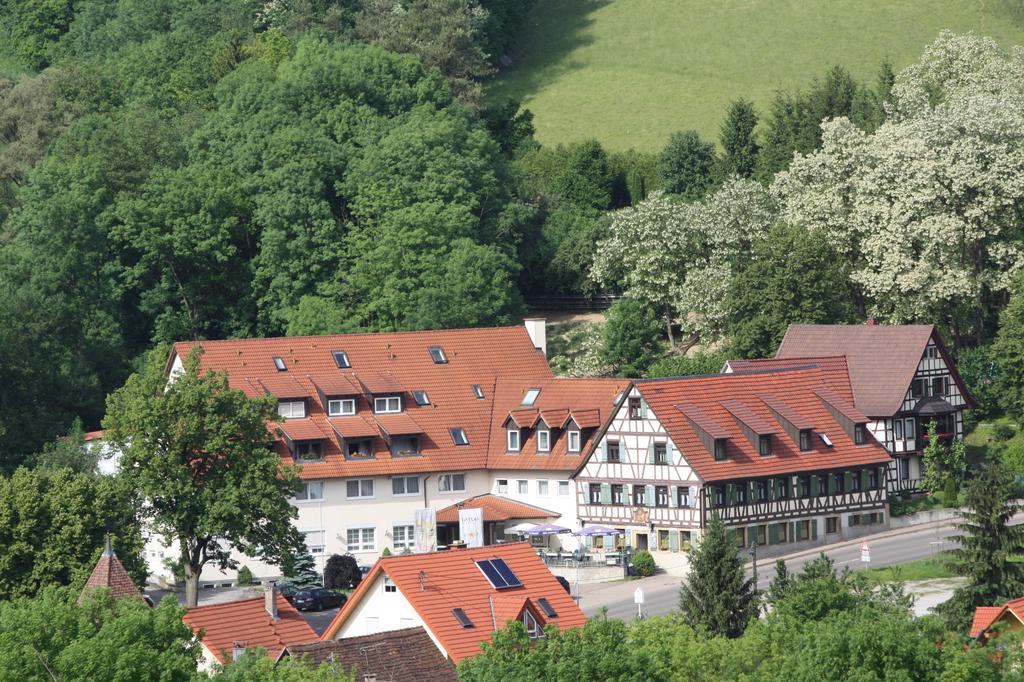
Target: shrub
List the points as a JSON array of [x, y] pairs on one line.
[[244, 576], [644, 563], [342, 572], [386, 552], [949, 494], [687, 164], [632, 337], [1003, 431]]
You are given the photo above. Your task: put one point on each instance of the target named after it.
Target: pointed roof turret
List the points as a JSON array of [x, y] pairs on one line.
[[111, 574]]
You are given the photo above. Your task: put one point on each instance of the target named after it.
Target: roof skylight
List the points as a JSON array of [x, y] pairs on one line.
[[437, 353], [279, 363], [463, 619], [341, 359], [421, 397], [531, 396], [478, 392], [459, 436]]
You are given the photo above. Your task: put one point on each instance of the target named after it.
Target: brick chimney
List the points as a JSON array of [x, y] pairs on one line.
[[270, 601]]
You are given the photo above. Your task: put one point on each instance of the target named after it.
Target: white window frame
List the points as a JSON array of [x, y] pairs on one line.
[[530, 397], [509, 445], [438, 355], [543, 440], [417, 394], [279, 364], [315, 547], [341, 407], [286, 409], [575, 441], [564, 485], [446, 483], [407, 532], [501, 485], [405, 486], [543, 487], [341, 355], [389, 585], [305, 495], [361, 491], [459, 436], [478, 391], [361, 545], [522, 486], [385, 405]]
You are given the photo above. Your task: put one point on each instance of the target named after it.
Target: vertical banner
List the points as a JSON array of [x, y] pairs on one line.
[[426, 530], [471, 527]]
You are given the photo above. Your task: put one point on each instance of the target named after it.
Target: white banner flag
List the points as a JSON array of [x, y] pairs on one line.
[[426, 530], [471, 527]]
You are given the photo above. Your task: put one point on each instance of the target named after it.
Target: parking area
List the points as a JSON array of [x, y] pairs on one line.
[[319, 620]]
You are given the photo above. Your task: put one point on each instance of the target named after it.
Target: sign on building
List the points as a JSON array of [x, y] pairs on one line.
[[471, 527], [426, 530]]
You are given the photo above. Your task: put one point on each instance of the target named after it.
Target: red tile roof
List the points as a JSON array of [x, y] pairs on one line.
[[833, 369], [882, 358], [705, 400], [495, 509], [407, 654], [93, 435], [984, 617], [110, 573], [247, 621], [301, 429], [502, 361], [451, 579]]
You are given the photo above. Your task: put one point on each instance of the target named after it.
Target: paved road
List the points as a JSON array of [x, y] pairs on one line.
[[661, 592]]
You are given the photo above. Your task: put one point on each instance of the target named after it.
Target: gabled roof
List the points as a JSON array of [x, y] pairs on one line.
[[833, 369], [882, 359], [392, 362], [436, 583], [495, 509], [110, 573], [407, 654], [247, 621], [705, 401], [987, 616]]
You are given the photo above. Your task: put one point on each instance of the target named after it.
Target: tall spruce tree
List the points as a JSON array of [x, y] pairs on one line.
[[780, 585], [687, 165], [989, 545], [717, 595], [739, 147]]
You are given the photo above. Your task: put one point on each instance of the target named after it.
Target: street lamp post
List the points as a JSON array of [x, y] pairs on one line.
[[753, 561]]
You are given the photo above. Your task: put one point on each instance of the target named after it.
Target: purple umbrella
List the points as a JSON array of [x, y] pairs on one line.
[[548, 529], [591, 531]]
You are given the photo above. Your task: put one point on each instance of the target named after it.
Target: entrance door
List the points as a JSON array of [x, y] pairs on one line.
[[641, 541], [663, 540]]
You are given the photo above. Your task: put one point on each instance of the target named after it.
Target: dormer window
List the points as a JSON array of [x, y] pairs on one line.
[[341, 407], [512, 440], [459, 436], [279, 363], [531, 396], [636, 408], [805, 440], [543, 440], [574, 441], [292, 409], [764, 445], [308, 451], [720, 451], [478, 392], [341, 359], [421, 397], [860, 434], [438, 356], [388, 404]]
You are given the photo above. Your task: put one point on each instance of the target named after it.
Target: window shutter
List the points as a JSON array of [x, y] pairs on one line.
[[643, 408], [814, 528], [881, 517], [606, 493], [602, 452], [730, 494], [673, 496], [649, 500], [831, 483], [668, 453], [864, 479], [650, 453], [773, 534], [794, 487], [881, 476], [847, 481], [673, 541], [791, 536], [773, 489]]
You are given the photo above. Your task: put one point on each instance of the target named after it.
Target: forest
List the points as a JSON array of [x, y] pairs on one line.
[[188, 170]]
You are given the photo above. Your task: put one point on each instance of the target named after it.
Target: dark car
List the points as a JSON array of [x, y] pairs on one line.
[[288, 591], [318, 599]]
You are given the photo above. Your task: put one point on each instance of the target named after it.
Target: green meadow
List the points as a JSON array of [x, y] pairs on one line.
[[631, 72]]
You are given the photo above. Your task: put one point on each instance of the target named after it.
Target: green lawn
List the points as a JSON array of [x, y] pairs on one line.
[[631, 72], [922, 569]]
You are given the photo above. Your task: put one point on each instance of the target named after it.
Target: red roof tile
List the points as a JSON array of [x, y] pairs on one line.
[[282, 386], [833, 370], [397, 424], [301, 429], [984, 617], [352, 427], [703, 399], [110, 573], [340, 386], [495, 509], [407, 654], [247, 621], [452, 579], [93, 435], [380, 383]]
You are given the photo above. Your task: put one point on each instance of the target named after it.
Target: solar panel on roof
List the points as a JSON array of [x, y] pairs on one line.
[[546, 607], [506, 573], [492, 575], [463, 619]]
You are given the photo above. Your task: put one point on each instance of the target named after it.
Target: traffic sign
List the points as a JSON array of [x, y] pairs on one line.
[[638, 596], [865, 553]]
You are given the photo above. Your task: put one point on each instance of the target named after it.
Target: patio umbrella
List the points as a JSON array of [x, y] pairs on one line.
[[520, 528], [548, 529], [591, 531]]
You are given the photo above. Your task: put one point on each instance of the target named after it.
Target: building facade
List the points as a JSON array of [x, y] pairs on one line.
[[778, 456]]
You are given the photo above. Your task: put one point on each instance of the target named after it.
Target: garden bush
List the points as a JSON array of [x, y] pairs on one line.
[[1003, 431], [342, 572], [644, 563], [244, 576]]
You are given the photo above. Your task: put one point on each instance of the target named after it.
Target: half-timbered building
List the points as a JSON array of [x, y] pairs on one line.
[[901, 376], [779, 455]]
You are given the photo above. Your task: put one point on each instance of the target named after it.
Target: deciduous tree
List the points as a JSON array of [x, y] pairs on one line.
[[687, 165]]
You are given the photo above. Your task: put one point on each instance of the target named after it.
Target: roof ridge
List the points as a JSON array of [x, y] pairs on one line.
[[404, 332], [740, 373]]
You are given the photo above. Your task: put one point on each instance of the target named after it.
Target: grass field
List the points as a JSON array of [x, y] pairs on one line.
[[922, 569], [631, 72]]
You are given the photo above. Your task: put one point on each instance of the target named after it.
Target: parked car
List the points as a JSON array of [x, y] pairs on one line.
[[288, 591], [318, 599]]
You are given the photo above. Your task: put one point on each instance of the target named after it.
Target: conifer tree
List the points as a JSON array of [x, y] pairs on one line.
[[780, 585], [301, 571], [717, 595], [739, 148]]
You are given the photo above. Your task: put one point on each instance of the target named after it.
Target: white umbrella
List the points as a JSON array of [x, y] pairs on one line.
[[520, 528]]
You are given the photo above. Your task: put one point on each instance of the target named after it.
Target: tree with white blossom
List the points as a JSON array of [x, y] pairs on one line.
[[928, 208]]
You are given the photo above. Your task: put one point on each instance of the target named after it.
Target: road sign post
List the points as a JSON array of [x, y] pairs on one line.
[[638, 599], [865, 553]]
